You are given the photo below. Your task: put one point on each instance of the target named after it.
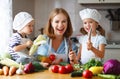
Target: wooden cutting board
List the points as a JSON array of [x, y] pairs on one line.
[[43, 75]]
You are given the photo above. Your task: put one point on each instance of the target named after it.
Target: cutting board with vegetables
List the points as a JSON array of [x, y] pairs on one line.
[[92, 69]]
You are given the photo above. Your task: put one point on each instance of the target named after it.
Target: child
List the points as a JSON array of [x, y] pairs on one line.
[[57, 31], [91, 45], [19, 42]]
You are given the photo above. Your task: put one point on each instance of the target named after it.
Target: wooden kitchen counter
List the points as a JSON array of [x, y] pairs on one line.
[[43, 75]]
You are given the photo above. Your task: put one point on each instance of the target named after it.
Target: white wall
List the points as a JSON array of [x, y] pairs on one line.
[[42, 10], [112, 54]]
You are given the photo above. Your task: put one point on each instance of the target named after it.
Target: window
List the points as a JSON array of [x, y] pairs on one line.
[[5, 23]]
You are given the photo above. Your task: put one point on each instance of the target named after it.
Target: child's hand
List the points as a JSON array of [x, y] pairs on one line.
[[29, 43], [89, 45]]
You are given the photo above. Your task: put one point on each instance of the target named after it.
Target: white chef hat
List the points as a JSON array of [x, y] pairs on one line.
[[21, 20], [90, 13]]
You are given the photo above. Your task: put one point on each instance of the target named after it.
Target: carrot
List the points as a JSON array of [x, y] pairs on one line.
[[5, 70], [1, 71], [12, 70]]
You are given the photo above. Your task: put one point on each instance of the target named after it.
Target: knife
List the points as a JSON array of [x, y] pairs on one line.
[[89, 34]]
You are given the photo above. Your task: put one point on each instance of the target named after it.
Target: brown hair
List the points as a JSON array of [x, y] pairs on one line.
[[49, 29], [99, 28]]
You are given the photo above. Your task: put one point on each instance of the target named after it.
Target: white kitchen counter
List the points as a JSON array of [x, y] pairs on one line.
[[109, 46], [112, 53], [112, 46]]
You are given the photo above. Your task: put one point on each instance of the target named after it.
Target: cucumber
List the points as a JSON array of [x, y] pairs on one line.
[[77, 73], [9, 62], [38, 66], [107, 76], [63, 63], [118, 77]]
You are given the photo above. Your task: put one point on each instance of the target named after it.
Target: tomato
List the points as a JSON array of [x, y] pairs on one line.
[[62, 70], [55, 68], [52, 57], [69, 68], [87, 74]]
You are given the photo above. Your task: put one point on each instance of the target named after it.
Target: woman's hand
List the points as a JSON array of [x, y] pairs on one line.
[[57, 61], [73, 57], [45, 65]]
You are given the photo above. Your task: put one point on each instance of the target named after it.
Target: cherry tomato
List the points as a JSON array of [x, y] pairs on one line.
[[62, 70], [55, 68], [69, 68], [87, 74], [52, 57]]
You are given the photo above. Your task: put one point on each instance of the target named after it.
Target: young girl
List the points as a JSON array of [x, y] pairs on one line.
[[91, 45], [58, 31], [19, 42]]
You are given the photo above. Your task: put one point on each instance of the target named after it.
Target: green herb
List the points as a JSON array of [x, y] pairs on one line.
[[91, 63]]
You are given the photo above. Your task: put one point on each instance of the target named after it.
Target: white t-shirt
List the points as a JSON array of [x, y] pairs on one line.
[[86, 54]]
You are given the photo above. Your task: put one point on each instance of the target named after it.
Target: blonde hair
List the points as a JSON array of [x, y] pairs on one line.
[[49, 29]]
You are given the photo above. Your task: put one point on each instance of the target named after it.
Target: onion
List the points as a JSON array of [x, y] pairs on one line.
[[20, 71]]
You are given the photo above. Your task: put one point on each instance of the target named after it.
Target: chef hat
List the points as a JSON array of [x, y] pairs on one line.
[[21, 20], [90, 13]]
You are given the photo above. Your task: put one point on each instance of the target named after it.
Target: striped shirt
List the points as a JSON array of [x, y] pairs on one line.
[[15, 40]]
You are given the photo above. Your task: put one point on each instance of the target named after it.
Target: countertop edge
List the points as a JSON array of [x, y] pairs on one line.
[[112, 47]]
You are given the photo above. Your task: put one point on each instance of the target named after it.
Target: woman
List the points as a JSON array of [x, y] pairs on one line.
[[57, 32]]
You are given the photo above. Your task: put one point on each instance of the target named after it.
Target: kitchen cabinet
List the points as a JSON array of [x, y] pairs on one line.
[[97, 1], [112, 53]]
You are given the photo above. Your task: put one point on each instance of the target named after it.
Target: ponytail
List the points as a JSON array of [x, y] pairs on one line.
[[82, 30], [101, 30]]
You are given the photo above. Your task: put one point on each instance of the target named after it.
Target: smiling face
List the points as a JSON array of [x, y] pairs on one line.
[[87, 23], [59, 24]]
